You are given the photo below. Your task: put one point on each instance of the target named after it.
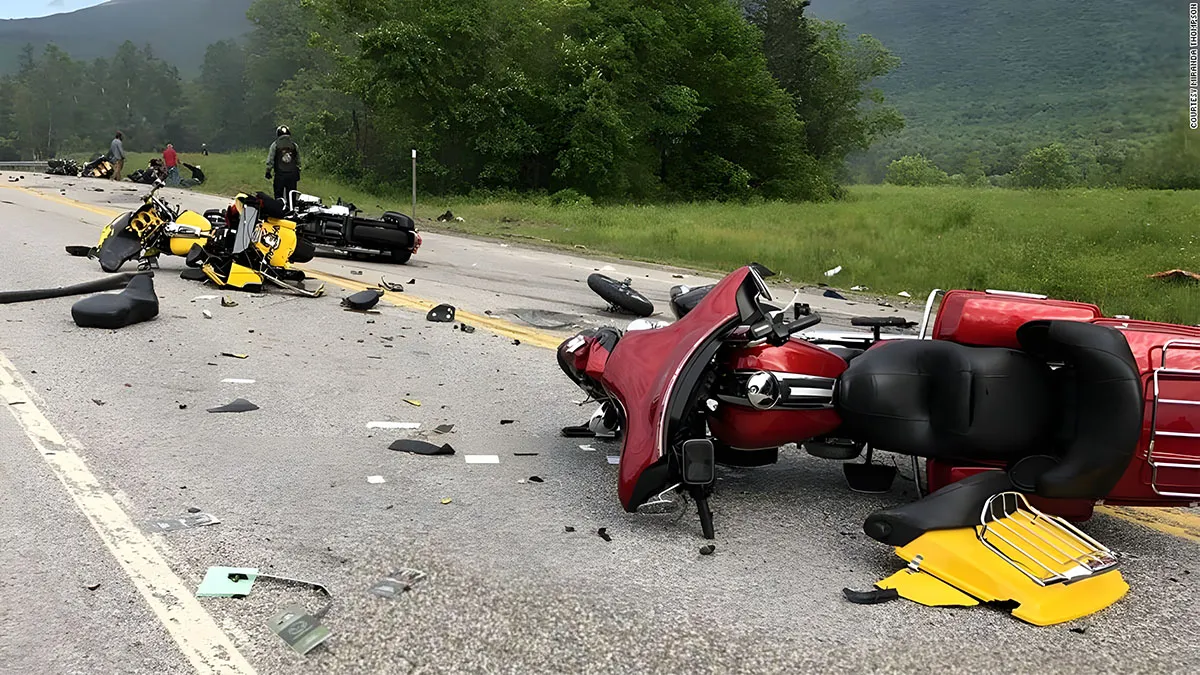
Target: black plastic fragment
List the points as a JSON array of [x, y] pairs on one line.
[[443, 313], [79, 251], [578, 431], [236, 406], [830, 293], [190, 274], [871, 597], [536, 479], [466, 328], [603, 532], [421, 447], [568, 528], [507, 421], [707, 549], [362, 300]]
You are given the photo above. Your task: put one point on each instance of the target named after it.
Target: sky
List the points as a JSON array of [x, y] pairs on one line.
[[21, 9]]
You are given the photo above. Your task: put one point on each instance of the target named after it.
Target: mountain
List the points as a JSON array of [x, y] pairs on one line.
[[1004, 75], [177, 30]]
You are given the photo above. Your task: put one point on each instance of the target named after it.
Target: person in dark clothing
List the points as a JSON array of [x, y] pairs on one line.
[[283, 158]]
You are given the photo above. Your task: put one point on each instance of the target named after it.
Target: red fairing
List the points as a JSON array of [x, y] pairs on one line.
[[992, 320], [746, 428], [641, 373]]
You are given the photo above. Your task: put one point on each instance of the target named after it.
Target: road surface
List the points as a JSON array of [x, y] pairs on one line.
[[108, 431]]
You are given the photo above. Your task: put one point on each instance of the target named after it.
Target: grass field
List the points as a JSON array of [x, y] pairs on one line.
[[1093, 245]]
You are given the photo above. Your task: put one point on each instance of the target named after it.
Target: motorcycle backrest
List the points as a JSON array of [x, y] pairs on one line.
[[992, 319]]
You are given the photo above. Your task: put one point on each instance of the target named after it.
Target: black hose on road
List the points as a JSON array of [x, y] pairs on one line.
[[108, 283]]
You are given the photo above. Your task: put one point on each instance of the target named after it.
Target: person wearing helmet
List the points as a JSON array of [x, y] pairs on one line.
[[283, 158]]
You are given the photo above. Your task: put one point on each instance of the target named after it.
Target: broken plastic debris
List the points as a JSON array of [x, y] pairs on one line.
[[833, 271], [97, 401], [482, 459], [587, 448], [412, 401], [186, 522], [524, 454], [1175, 274], [904, 294], [446, 500], [707, 549], [356, 272], [603, 532], [204, 297], [443, 313], [568, 528], [298, 629], [362, 300], [871, 597], [396, 583], [507, 421], [207, 314], [536, 479], [614, 459], [235, 380], [226, 302], [227, 582], [466, 328], [236, 356], [829, 293], [236, 406], [443, 428], [393, 425], [421, 447], [388, 286], [859, 288], [376, 479]]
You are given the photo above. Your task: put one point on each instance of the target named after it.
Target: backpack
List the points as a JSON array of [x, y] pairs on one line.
[[286, 155]]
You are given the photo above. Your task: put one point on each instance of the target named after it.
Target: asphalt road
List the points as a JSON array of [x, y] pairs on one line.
[[508, 589]]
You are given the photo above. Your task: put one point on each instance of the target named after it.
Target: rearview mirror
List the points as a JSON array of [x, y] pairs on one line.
[[698, 462]]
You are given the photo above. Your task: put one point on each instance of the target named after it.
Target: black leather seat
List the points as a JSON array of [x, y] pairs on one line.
[[135, 304], [1075, 427]]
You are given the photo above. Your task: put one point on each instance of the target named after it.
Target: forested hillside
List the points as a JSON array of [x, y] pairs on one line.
[[999, 77]]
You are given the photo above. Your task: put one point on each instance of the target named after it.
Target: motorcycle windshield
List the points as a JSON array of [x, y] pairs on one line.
[[656, 374]]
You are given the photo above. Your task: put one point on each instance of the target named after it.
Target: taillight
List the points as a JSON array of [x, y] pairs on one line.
[[417, 242]]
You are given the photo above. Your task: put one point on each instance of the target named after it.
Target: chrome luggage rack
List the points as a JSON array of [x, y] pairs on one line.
[[1047, 549], [1162, 372]]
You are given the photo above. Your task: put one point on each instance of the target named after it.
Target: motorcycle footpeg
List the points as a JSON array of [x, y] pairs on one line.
[[869, 478]]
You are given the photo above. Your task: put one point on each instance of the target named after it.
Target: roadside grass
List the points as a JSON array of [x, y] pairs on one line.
[[1082, 244]]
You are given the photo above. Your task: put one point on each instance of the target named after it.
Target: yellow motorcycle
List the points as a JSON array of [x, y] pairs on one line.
[[146, 232], [254, 243]]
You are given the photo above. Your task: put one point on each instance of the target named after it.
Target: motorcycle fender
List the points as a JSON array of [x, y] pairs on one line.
[[241, 276], [117, 250], [957, 558], [180, 246]]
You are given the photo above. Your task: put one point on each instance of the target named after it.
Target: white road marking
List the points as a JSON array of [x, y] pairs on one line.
[[206, 647], [482, 459]]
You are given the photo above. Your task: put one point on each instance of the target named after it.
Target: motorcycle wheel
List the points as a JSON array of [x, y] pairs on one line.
[[620, 295], [400, 256]]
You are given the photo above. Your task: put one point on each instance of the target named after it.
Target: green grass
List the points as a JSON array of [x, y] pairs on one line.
[[1092, 245]]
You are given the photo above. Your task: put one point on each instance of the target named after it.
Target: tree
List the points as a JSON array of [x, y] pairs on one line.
[[915, 170], [1048, 166], [220, 105], [1170, 162], [973, 173], [828, 78]]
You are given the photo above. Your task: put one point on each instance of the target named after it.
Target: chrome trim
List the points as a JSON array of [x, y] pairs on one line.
[[928, 308], [1017, 294], [1155, 432], [784, 391]]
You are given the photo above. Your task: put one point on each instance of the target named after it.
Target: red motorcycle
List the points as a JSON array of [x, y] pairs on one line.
[[1065, 405]]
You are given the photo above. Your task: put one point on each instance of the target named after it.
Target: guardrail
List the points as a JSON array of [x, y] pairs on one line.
[[25, 166]]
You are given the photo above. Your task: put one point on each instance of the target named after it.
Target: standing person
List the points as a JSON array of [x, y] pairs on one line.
[[204, 149], [284, 159], [171, 161], [116, 153]]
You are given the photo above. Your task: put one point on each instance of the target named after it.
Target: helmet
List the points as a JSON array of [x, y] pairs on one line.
[[282, 131]]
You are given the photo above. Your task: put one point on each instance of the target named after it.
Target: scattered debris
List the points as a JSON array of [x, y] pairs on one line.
[[1079, 629], [829, 293], [614, 459], [871, 597], [516, 342], [207, 314], [833, 271], [204, 297], [446, 500], [238, 405], [412, 281], [396, 583], [357, 273], [482, 459], [445, 217], [525, 454], [904, 294], [98, 401], [443, 428], [393, 425], [299, 630], [443, 313], [587, 448], [227, 302], [421, 447], [859, 288], [413, 401], [578, 431], [376, 479], [193, 509], [183, 406], [1175, 274], [536, 479], [183, 523], [92, 587], [502, 422], [387, 286], [363, 300], [707, 549], [568, 528], [603, 532], [79, 251], [466, 328], [135, 304], [236, 356], [235, 380], [677, 276]]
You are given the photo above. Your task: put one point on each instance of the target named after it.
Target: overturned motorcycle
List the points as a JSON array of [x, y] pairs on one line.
[[253, 242], [153, 228], [340, 229], [1027, 409]]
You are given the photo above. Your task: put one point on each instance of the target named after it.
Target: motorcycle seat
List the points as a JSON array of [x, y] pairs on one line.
[[940, 399], [135, 304]]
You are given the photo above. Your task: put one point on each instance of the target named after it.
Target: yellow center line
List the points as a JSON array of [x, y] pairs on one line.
[[1171, 521]]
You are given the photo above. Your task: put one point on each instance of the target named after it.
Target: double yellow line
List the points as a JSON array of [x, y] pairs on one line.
[[1172, 521]]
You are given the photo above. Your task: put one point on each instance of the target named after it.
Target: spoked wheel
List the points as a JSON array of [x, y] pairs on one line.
[[620, 295]]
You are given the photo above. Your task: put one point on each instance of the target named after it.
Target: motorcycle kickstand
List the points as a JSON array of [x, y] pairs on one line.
[[698, 493]]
